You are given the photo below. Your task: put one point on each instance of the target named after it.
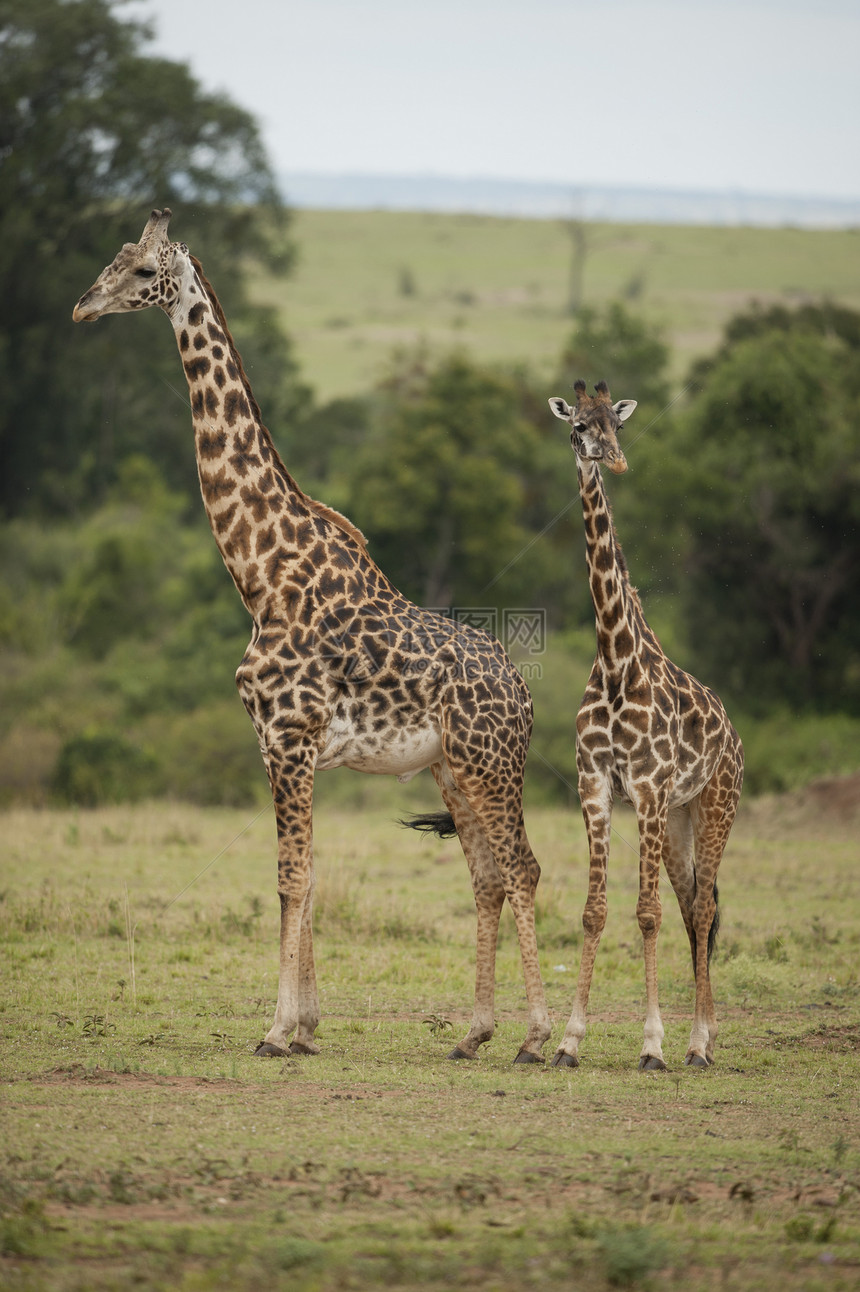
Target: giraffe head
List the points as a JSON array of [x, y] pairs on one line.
[[141, 274], [595, 421]]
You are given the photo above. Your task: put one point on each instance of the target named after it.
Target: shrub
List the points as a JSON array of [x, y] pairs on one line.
[[98, 767]]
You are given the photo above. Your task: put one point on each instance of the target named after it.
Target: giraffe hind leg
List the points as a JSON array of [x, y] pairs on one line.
[[713, 816], [501, 864], [679, 861], [489, 896]]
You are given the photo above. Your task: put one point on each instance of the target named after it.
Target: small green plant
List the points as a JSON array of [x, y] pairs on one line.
[[24, 1230], [122, 1187], [799, 1229], [436, 1023], [631, 1254], [246, 925], [97, 1025], [441, 1229], [291, 1253], [789, 1142], [803, 1229]]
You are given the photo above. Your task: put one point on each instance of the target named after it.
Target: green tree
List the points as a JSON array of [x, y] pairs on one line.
[[768, 474], [93, 133], [619, 347], [441, 484]]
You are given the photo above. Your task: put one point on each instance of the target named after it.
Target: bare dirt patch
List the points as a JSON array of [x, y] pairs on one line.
[[835, 1040], [79, 1073], [833, 802], [833, 796]]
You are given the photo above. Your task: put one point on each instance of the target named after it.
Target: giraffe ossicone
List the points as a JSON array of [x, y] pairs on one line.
[[341, 670], [653, 736]]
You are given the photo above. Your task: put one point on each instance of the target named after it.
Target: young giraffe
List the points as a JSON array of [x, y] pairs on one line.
[[341, 669], [655, 737]]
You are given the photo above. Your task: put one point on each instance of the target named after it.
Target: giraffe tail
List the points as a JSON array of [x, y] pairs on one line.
[[438, 823], [712, 931], [715, 924]]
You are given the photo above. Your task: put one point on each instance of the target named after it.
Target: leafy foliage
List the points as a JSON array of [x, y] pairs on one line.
[[120, 637], [617, 346], [768, 473], [440, 484], [93, 133]]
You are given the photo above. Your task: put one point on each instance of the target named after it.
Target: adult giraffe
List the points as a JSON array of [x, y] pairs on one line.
[[653, 736], [341, 669]]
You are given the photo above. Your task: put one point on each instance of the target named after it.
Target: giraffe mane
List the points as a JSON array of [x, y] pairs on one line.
[[319, 508]]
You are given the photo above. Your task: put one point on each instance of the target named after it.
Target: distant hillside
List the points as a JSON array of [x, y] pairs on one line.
[[589, 202], [369, 282]]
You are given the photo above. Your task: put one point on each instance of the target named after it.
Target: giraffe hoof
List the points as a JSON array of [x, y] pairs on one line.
[[694, 1060], [561, 1059], [297, 1047], [650, 1063], [526, 1056], [265, 1050], [457, 1053]]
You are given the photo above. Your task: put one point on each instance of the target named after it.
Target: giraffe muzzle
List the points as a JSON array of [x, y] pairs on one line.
[[83, 312]]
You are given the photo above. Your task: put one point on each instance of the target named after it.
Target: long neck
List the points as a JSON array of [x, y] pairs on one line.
[[618, 615], [261, 520]]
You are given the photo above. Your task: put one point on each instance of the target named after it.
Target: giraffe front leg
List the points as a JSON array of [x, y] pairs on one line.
[[597, 813], [593, 922], [297, 1008], [309, 1002]]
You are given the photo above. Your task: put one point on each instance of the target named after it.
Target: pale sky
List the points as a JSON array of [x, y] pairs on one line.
[[755, 95]]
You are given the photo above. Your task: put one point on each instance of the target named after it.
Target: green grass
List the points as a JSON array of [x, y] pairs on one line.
[[143, 1145], [368, 282]]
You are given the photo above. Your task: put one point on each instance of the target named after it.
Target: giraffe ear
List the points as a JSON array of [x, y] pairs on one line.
[[178, 256], [561, 408], [623, 409]]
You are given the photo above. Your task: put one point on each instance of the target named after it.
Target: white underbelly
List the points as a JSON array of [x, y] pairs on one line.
[[400, 753]]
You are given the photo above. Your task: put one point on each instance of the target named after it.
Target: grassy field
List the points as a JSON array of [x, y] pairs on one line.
[[368, 282], [144, 1146]]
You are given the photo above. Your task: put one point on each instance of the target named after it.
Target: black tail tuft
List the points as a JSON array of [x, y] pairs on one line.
[[715, 924], [439, 823], [712, 931]]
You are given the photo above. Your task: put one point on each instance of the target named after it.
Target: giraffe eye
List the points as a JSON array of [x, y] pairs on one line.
[[144, 273]]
